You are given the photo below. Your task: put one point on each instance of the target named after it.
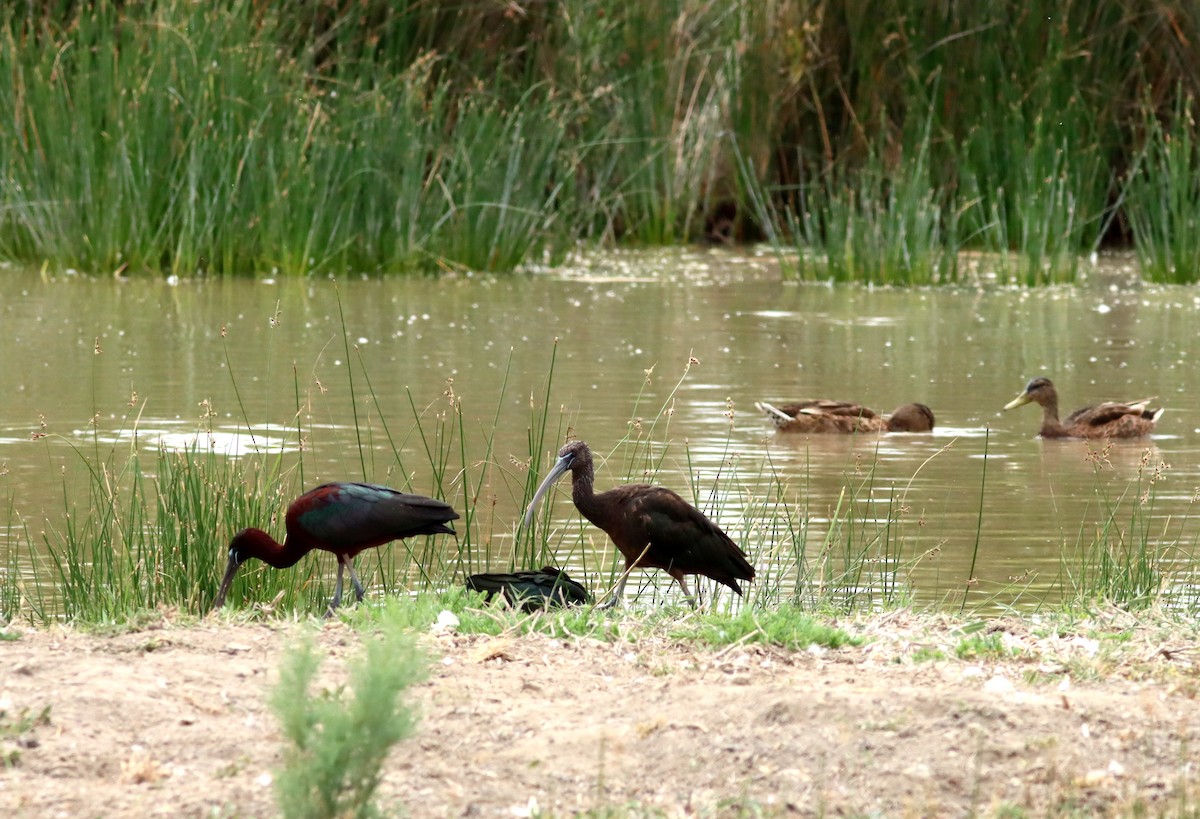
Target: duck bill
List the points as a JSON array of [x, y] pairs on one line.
[[560, 468], [226, 582], [1020, 401]]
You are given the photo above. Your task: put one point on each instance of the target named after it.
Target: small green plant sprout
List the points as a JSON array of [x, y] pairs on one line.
[[339, 739], [983, 647], [15, 728]]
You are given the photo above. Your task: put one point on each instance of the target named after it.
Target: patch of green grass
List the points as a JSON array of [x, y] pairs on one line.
[[1010, 812], [472, 615], [786, 627], [12, 725], [983, 647], [928, 654]]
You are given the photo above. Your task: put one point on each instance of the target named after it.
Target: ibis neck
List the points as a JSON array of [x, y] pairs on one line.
[[257, 543], [583, 491]]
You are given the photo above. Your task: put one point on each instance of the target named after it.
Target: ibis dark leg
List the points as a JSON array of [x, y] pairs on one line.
[[687, 593], [359, 591], [616, 597], [337, 592], [345, 562]]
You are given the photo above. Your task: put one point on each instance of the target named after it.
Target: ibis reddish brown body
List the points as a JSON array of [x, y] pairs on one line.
[[342, 518], [652, 526]]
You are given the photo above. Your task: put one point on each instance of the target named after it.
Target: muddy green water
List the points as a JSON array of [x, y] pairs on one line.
[[158, 357]]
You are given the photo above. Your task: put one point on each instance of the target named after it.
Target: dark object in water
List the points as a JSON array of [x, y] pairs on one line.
[[545, 588]]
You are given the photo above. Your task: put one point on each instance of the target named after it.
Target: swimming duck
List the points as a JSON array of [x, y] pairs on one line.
[[821, 415], [1112, 419]]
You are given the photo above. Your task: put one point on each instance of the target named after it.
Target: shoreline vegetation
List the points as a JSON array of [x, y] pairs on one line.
[[141, 528], [864, 141]]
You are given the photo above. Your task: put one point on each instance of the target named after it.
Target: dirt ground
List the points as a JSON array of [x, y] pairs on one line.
[[173, 721]]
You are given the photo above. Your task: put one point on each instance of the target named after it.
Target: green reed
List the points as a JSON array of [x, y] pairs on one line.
[[1163, 198], [13, 587], [965, 127], [183, 143], [655, 134], [145, 536], [879, 139], [1119, 558], [876, 225], [1031, 149], [858, 562]]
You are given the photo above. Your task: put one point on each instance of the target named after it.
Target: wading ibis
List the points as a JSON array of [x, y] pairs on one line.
[[1112, 419], [652, 526], [343, 518], [820, 416], [532, 590]]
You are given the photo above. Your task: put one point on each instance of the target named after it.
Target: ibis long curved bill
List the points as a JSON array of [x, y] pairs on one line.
[[561, 467], [227, 581]]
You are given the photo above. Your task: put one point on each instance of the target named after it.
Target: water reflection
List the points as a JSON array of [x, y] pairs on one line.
[[184, 437], [197, 362]]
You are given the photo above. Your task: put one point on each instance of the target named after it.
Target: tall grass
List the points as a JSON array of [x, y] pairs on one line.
[[1118, 559], [876, 225], [1034, 180], [877, 138], [858, 555], [172, 137], [145, 538], [1163, 198]]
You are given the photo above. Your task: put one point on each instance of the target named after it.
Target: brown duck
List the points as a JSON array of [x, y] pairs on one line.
[[1112, 419], [844, 417]]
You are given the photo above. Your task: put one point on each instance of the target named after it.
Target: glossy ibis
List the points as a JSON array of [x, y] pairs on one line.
[[1112, 419], [343, 518], [532, 590], [820, 415], [653, 527]]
